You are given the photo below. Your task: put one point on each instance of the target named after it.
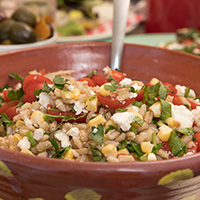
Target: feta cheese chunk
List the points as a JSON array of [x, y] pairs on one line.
[[73, 132], [24, 143], [182, 115], [38, 134], [181, 91], [44, 99], [123, 119], [59, 135], [125, 81], [78, 107]]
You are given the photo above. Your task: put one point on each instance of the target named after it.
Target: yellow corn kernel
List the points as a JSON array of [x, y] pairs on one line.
[[19, 124], [12, 148], [154, 81], [67, 94], [69, 155], [99, 119], [146, 147], [26, 151], [73, 81], [123, 151], [92, 104], [103, 91], [110, 122], [164, 133], [76, 94], [126, 158], [17, 137], [172, 123], [105, 137], [37, 117], [151, 157], [156, 109], [109, 150]]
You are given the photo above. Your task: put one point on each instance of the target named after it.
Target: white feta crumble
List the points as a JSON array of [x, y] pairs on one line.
[[132, 95], [125, 81], [27, 122], [95, 130], [24, 143], [181, 91], [59, 135], [182, 115], [78, 107], [137, 87], [123, 119], [44, 99], [70, 87], [38, 134], [74, 131]]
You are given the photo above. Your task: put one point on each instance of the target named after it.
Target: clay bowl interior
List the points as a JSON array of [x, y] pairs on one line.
[[25, 177]]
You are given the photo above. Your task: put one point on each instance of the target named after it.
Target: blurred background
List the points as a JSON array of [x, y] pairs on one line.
[[89, 20]]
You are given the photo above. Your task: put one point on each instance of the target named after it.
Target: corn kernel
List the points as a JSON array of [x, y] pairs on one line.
[[112, 159], [105, 137], [19, 124], [17, 137], [135, 112], [164, 133], [123, 151], [76, 94], [154, 81], [160, 123], [99, 119], [26, 151], [110, 122], [109, 150], [67, 94], [156, 109], [126, 158], [37, 117], [92, 105], [146, 147], [103, 91], [172, 123], [151, 157], [11, 148], [69, 155]]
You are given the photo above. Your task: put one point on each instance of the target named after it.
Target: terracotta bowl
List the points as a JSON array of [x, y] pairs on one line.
[[30, 177]]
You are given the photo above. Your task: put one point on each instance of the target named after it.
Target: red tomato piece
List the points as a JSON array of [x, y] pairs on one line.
[[197, 140], [193, 105], [67, 114], [90, 81], [117, 76], [5, 95], [112, 102], [32, 83], [10, 108], [99, 79], [166, 147], [140, 96], [169, 86], [42, 71], [33, 79]]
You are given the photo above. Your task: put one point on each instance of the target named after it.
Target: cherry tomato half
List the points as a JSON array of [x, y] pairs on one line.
[[90, 81], [112, 102], [99, 79], [67, 114], [197, 140], [10, 108], [5, 95], [169, 86], [117, 76], [32, 83]]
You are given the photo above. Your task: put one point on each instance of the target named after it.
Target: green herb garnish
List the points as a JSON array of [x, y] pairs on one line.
[[97, 156], [97, 134], [59, 82], [92, 73], [16, 76], [165, 110], [14, 95], [31, 139], [122, 144]]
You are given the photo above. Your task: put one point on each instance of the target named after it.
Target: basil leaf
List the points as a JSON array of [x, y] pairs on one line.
[[122, 144], [59, 82], [133, 147], [138, 120], [137, 103], [6, 120], [59, 152], [187, 91], [16, 76], [114, 85], [121, 109], [177, 145], [97, 134], [186, 131], [111, 127], [14, 95], [92, 97], [133, 128], [165, 110], [31, 139], [162, 91], [156, 147], [6, 86], [45, 88], [92, 73], [96, 154]]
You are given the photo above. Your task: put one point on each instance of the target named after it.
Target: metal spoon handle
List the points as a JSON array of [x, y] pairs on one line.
[[120, 15]]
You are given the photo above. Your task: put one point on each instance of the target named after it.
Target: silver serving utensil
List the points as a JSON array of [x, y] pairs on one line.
[[121, 8]]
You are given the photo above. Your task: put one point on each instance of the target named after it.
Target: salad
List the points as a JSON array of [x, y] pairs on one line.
[[98, 118]]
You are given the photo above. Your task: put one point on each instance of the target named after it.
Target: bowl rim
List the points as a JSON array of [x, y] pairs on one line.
[[58, 164]]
